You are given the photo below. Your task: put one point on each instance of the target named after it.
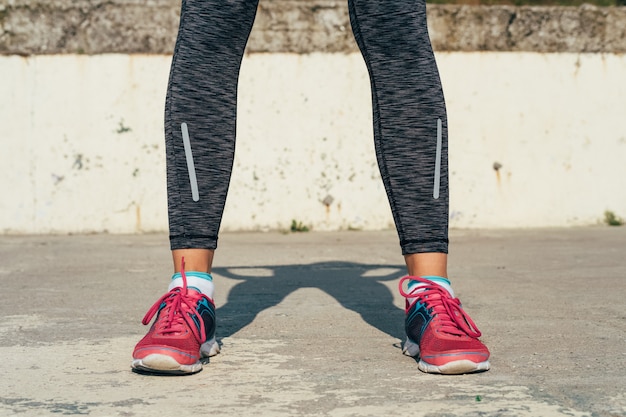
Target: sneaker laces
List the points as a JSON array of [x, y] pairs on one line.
[[176, 309], [453, 319]]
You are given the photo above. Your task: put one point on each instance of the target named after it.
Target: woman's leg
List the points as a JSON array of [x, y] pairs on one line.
[[410, 124], [410, 134], [200, 119]]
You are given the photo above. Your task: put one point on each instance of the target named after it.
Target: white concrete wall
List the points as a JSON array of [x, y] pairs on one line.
[[81, 142]]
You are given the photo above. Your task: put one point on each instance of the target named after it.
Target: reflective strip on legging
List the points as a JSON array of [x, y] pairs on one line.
[[410, 123]]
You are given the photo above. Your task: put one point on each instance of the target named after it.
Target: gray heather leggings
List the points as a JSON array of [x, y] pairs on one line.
[[410, 124]]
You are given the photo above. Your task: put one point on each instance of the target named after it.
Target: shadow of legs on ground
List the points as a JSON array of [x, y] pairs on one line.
[[356, 287]]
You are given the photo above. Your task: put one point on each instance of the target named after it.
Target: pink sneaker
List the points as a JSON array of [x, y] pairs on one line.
[[182, 334], [440, 333]]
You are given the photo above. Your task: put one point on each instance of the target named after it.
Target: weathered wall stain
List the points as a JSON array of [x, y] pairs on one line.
[[559, 133], [125, 26]]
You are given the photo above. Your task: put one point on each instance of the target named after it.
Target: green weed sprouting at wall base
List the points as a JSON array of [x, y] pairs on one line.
[[612, 219], [298, 226]]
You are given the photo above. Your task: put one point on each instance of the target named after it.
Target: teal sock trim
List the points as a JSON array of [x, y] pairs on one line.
[[434, 278], [195, 274]]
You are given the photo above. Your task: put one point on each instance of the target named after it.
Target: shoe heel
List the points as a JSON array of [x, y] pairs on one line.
[[210, 348], [411, 348]]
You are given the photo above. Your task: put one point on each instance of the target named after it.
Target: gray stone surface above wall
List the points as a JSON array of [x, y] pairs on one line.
[[30, 27]]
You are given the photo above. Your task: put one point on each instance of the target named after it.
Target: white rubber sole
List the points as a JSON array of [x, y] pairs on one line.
[[166, 365], [463, 366]]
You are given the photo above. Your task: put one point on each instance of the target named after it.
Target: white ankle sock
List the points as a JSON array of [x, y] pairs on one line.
[[442, 282], [200, 281]]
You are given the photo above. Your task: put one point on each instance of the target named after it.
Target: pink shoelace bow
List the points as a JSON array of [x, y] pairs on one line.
[[454, 320], [179, 305]]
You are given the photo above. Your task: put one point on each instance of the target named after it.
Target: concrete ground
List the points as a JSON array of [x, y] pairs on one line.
[[311, 324]]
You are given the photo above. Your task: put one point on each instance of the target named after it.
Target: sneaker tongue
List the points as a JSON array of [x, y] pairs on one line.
[[175, 315], [170, 318], [194, 289]]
